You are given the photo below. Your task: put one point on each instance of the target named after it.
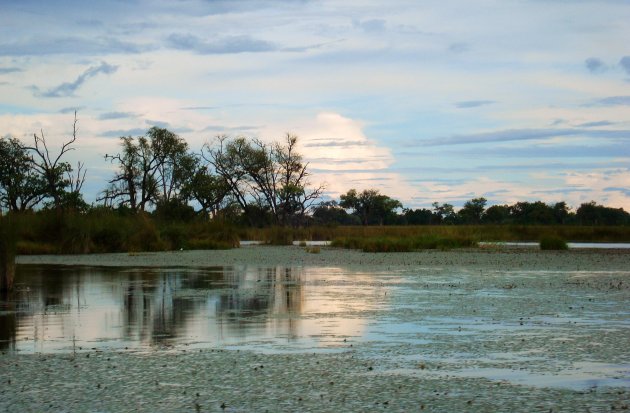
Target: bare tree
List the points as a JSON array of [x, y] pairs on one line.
[[58, 180]]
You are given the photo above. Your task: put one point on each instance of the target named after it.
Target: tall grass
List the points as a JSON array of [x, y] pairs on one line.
[[403, 244], [111, 231], [104, 231]]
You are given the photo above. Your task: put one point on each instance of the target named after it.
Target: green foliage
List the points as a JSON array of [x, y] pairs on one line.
[[551, 242], [593, 214], [20, 186], [371, 206], [473, 210]]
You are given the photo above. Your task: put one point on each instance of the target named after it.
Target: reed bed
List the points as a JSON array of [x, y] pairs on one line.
[[102, 231]]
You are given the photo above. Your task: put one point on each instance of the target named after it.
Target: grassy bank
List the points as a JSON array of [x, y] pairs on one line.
[[477, 233], [106, 231]]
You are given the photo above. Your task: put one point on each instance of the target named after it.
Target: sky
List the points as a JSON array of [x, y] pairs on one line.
[[426, 101]]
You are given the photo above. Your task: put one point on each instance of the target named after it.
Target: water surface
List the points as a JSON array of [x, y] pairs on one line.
[[539, 328]]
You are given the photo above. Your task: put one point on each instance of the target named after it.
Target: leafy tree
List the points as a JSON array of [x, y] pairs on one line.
[[151, 169], [371, 206], [561, 212], [174, 166], [21, 187], [497, 214], [594, 214], [209, 190], [444, 214], [264, 177], [330, 212], [419, 216], [532, 213], [472, 211]]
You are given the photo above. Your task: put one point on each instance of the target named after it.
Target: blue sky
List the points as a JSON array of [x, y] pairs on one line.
[[427, 101]]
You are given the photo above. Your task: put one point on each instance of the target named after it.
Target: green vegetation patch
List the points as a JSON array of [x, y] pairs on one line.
[[403, 244], [553, 243]]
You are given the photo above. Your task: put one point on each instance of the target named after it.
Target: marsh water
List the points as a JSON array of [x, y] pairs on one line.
[[541, 328]]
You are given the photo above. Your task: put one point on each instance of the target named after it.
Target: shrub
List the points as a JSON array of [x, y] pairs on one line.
[[551, 242]]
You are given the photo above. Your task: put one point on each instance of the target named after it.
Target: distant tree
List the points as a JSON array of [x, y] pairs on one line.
[[594, 214], [21, 188], [561, 212], [371, 206], [535, 213], [330, 212], [295, 197], [472, 211], [419, 216], [497, 214], [444, 214]]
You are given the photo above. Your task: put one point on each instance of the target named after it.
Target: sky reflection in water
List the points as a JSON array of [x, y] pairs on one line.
[[67, 308]]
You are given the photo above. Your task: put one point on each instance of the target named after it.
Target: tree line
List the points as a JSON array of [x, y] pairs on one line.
[[370, 207], [241, 180]]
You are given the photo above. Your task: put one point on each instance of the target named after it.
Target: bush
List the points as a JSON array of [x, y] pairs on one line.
[[553, 243]]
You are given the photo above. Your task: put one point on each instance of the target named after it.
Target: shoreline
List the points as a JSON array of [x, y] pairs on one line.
[[493, 258]]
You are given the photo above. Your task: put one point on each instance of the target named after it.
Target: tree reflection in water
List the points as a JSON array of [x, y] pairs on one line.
[[57, 307]]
